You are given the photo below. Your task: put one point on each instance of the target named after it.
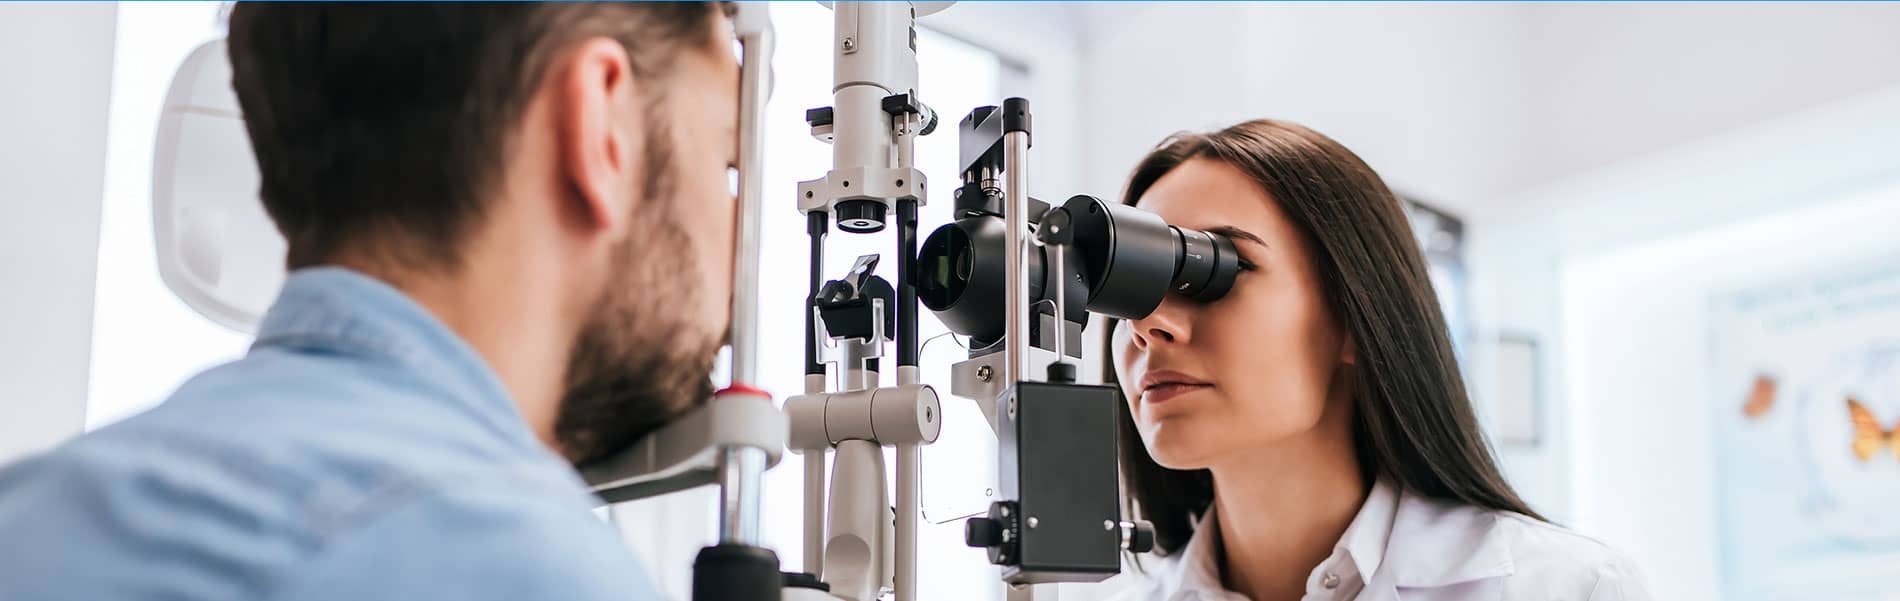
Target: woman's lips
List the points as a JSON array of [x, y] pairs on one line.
[[1162, 392]]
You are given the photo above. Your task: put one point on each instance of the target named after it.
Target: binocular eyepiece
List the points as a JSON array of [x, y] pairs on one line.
[[1122, 259]]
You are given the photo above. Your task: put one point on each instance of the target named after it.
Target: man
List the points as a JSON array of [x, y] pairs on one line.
[[512, 238]]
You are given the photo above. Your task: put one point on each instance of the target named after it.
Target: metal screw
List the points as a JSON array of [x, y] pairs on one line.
[[1032, 521], [984, 373], [1004, 510], [1108, 524], [850, 44]]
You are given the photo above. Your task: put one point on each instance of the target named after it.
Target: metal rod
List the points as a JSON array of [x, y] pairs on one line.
[[905, 582], [815, 513], [906, 284], [1062, 304], [745, 281], [1016, 218], [815, 224], [740, 470], [815, 490], [909, 504]]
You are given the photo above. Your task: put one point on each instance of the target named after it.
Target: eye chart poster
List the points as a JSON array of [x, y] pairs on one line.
[[1807, 378]]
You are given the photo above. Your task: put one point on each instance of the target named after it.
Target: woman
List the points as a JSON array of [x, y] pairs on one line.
[[1307, 436]]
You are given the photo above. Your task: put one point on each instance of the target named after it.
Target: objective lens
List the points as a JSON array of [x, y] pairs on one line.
[[965, 275]]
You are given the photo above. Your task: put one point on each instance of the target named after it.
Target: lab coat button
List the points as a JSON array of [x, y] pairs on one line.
[[1331, 581]]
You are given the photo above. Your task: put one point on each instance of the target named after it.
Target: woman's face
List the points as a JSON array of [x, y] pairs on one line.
[[1256, 367]]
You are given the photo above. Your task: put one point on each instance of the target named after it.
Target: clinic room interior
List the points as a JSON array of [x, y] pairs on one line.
[[1604, 294]]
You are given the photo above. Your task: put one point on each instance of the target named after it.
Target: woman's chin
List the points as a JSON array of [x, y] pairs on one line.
[[1177, 447]]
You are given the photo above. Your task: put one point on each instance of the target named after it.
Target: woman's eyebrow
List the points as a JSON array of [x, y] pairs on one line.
[[1237, 233]]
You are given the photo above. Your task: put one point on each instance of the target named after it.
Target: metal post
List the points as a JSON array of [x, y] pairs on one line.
[[815, 494], [740, 470], [1062, 304], [745, 280], [1016, 218], [909, 505]]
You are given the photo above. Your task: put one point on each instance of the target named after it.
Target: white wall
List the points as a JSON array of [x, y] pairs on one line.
[[1638, 324], [1418, 91], [1611, 81], [1614, 267], [57, 68]]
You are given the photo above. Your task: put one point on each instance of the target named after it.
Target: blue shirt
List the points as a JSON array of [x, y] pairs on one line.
[[360, 451]]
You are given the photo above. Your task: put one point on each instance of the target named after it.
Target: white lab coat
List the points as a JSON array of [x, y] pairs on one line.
[[1410, 548]]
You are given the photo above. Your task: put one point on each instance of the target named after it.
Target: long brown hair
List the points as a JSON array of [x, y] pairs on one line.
[[1413, 423]]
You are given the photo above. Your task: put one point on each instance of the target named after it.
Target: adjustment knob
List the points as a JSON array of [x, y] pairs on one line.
[[1141, 536], [982, 533], [860, 216]]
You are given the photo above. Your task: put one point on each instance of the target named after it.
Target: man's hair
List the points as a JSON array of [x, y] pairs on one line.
[[387, 124]]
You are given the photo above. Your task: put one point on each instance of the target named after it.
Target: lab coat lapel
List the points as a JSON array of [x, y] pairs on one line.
[[1438, 544]]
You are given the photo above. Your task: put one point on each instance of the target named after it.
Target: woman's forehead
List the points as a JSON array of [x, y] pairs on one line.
[[1205, 193]]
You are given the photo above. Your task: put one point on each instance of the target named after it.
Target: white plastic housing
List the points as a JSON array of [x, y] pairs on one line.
[[217, 249]]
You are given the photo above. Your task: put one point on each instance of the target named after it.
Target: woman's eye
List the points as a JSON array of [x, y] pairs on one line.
[[1246, 265]]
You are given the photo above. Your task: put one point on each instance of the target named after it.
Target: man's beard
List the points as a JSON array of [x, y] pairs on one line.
[[639, 362]]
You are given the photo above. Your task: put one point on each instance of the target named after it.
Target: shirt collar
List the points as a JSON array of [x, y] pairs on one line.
[[1197, 569], [1425, 528], [1365, 539], [336, 310], [1416, 532]]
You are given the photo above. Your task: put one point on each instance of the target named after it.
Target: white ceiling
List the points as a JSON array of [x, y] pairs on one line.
[[1475, 103]]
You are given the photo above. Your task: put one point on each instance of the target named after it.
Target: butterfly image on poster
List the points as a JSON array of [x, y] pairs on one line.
[[1868, 435], [1761, 397]]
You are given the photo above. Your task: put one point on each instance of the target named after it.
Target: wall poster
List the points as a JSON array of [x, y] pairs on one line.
[[1807, 385]]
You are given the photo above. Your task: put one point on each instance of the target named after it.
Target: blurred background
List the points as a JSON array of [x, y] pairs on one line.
[[1666, 235]]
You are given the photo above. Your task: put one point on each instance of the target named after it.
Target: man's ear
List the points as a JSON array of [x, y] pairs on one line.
[[597, 138]]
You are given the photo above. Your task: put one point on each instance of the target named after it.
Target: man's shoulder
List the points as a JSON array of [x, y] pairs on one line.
[[256, 467], [191, 521]]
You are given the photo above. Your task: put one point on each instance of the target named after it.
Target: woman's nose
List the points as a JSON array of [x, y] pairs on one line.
[[1168, 324]]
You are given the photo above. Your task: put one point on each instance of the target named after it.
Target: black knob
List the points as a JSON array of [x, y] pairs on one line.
[[861, 216], [982, 532], [1142, 540]]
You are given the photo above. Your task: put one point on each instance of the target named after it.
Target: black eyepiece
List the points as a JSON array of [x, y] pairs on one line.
[[1123, 261]]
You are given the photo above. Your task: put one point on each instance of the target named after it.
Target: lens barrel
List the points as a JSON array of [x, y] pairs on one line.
[[1127, 258]]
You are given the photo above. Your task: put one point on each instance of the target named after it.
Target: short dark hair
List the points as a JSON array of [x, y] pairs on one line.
[[392, 120], [1413, 423]]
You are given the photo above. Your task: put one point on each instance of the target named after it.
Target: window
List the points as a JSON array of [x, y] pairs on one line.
[[145, 342]]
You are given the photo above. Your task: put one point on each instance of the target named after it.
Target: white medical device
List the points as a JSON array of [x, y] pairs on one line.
[[1058, 518]]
